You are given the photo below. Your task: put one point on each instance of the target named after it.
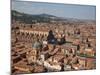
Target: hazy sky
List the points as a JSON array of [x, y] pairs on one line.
[[60, 10]]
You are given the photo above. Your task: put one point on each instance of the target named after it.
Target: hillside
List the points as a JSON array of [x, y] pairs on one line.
[[29, 18]]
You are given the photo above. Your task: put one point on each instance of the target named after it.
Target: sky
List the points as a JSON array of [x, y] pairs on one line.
[[56, 9]]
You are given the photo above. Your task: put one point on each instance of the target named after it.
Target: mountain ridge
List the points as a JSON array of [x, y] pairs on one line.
[[43, 17]]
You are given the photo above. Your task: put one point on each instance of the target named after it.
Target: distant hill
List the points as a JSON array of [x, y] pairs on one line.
[[29, 18]]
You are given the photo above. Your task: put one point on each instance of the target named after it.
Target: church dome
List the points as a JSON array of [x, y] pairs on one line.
[[37, 45]]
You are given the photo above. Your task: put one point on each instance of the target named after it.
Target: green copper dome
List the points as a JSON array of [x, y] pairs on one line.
[[37, 45]]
